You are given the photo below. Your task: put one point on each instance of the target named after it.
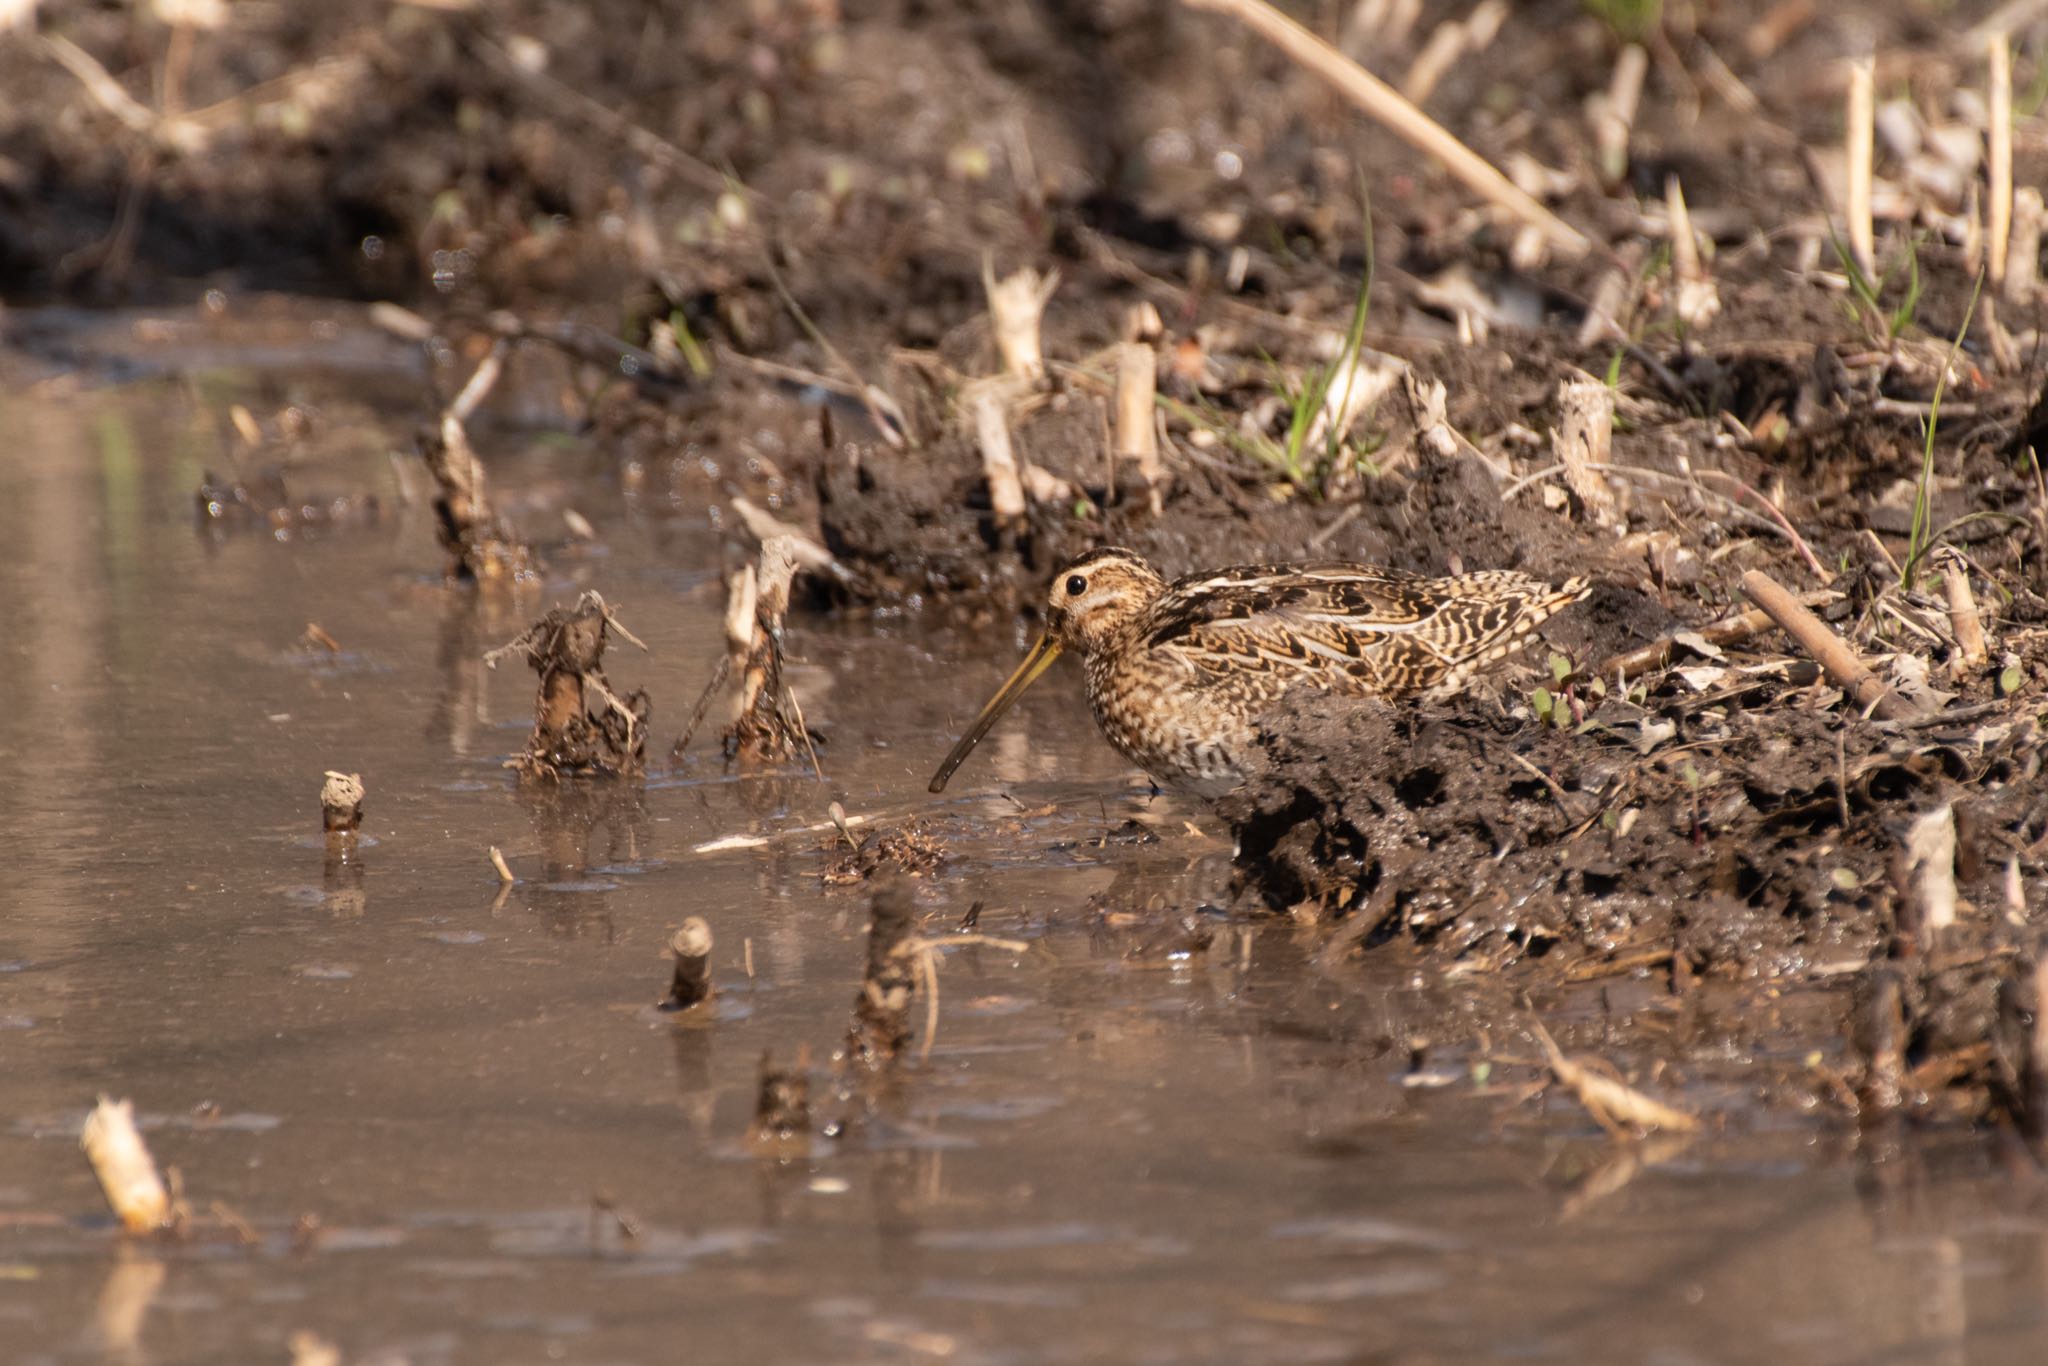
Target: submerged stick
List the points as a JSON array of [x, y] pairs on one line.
[[782, 1107], [881, 1011], [1827, 649], [691, 983], [1382, 102], [1611, 1101]]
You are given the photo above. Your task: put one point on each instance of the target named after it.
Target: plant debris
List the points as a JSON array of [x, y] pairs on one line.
[[580, 725]]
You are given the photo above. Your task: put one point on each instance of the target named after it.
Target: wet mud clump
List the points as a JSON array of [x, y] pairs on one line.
[[911, 848], [580, 724], [1698, 835]]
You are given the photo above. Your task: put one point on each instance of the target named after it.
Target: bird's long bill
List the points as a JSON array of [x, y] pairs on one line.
[[1041, 657]]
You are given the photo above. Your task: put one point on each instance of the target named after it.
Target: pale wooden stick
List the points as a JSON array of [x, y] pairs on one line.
[[998, 458], [1614, 113], [1998, 209], [127, 1174], [2023, 257], [1698, 301], [1828, 650], [1581, 441], [1137, 428], [1016, 306], [1382, 102], [1862, 133], [1962, 612], [1730, 630]]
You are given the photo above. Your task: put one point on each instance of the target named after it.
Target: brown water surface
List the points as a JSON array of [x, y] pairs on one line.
[[1113, 1153]]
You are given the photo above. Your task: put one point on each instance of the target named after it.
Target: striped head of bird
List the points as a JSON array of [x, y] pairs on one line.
[[1092, 602]]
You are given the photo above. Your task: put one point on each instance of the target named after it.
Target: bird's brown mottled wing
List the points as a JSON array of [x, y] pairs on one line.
[[1350, 628]]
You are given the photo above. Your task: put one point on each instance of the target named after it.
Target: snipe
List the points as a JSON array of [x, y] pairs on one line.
[[1180, 673]]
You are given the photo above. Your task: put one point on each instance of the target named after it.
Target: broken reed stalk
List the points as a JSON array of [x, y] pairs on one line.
[[1962, 613], [1137, 423], [1382, 102], [760, 726], [2023, 257], [1924, 878], [881, 1012], [1453, 39], [1698, 301], [999, 458], [1827, 649], [1582, 441], [1730, 630], [1016, 306], [480, 549], [580, 725], [126, 1172], [1862, 134], [1998, 160], [1614, 113], [1611, 1101], [691, 983], [341, 803]]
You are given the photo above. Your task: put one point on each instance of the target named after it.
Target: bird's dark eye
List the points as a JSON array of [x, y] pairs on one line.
[[1077, 584]]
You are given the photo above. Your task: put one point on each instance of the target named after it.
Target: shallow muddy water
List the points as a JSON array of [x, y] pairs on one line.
[[416, 1088]]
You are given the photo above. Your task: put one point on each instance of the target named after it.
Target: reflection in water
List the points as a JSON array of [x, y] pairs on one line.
[[131, 1287]]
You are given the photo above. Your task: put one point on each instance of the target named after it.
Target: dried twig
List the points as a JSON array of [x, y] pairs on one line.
[[1613, 1102], [1382, 102], [1998, 159], [999, 458], [1016, 306], [1581, 441], [1698, 301], [1137, 429], [1826, 648], [1861, 133], [1962, 612], [1731, 630], [1614, 112]]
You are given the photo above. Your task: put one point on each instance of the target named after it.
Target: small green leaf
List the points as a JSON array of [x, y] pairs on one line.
[[2009, 680], [1560, 668], [1846, 880], [1542, 703]]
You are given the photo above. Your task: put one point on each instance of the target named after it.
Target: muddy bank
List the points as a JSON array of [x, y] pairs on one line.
[[696, 259]]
